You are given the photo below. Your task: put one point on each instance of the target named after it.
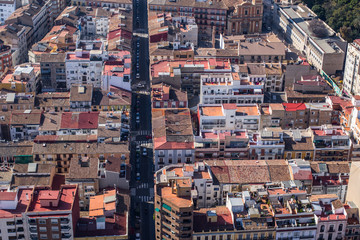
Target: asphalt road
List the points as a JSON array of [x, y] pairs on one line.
[[142, 183]]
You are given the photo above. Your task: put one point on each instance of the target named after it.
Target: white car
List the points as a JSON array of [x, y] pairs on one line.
[[137, 236], [137, 75], [144, 152]]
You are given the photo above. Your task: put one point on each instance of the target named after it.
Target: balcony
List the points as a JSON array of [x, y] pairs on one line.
[[32, 221], [64, 221], [33, 229], [65, 236]]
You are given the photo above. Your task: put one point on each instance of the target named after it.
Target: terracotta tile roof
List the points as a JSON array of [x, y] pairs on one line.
[[172, 129], [278, 170], [240, 172], [85, 168], [338, 167], [8, 196], [21, 118], [291, 107], [79, 120], [306, 144], [224, 220], [23, 203]]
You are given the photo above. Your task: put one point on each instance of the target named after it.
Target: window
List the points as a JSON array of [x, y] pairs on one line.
[[246, 12], [42, 229], [42, 221], [340, 227], [322, 228], [55, 236], [43, 236]]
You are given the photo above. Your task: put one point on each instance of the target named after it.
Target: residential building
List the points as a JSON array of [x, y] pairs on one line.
[[208, 14], [267, 144], [115, 171], [326, 52], [229, 88], [331, 143], [16, 152], [32, 174], [301, 170], [14, 35], [165, 96], [53, 74], [52, 213], [8, 7], [5, 56], [83, 172], [186, 74], [24, 125], [330, 216], [330, 178], [173, 137], [204, 193], [353, 226], [81, 96], [17, 101], [298, 145], [308, 89], [34, 15], [173, 209], [352, 68], [53, 101], [228, 116], [84, 67], [230, 144], [108, 216], [292, 201], [245, 17], [117, 71], [63, 149]]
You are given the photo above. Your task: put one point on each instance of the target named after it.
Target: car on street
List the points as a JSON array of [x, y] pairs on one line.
[[138, 176], [137, 236], [137, 148], [144, 152], [137, 75]]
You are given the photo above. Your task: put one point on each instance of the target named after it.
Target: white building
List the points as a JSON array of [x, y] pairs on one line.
[[352, 69], [6, 9], [325, 53], [24, 125], [29, 77], [267, 145], [229, 88], [173, 138], [84, 67], [228, 116]]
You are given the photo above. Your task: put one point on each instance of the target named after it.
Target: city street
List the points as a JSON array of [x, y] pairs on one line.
[[142, 184]]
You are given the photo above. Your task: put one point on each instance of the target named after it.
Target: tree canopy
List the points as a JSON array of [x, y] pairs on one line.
[[341, 15]]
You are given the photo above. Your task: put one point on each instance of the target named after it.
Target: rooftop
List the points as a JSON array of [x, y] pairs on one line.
[[79, 120]]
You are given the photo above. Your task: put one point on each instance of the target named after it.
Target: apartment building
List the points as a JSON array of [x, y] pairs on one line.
[[331, 143], [267, 144], [230, 144], [301, 171], [35, 16], [53, 74], [230, 88], [298, 145], [14, 35], [326, 52], [330, 178], [63, 150], [24, 125], [186, 74], [308, 89], [208, 14], [81, 96], [84, 67], [7, 8], [32, 174], [228, 116], [53, 101], [117, 71], [173, 137], [115, 171], [53, 213], [95, 23], [330, 216], [352, 68], [17, 101], [83, 172], [19, 152], [38, 212], [245, 17], [110, 3], [173, 209], [165, 96], [26, 76], [204, 193], [292, 201], [5, 56]]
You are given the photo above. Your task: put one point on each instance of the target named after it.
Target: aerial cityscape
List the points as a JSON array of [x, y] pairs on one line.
[[180, 119]]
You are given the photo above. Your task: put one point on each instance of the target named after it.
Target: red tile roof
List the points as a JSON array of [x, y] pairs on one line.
[[79, 120], [291, 107], [7, 196], [24, 196], [224, 219]]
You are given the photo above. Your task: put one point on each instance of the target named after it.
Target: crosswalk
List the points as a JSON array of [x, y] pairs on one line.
[[145, 198], [143, 185]]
